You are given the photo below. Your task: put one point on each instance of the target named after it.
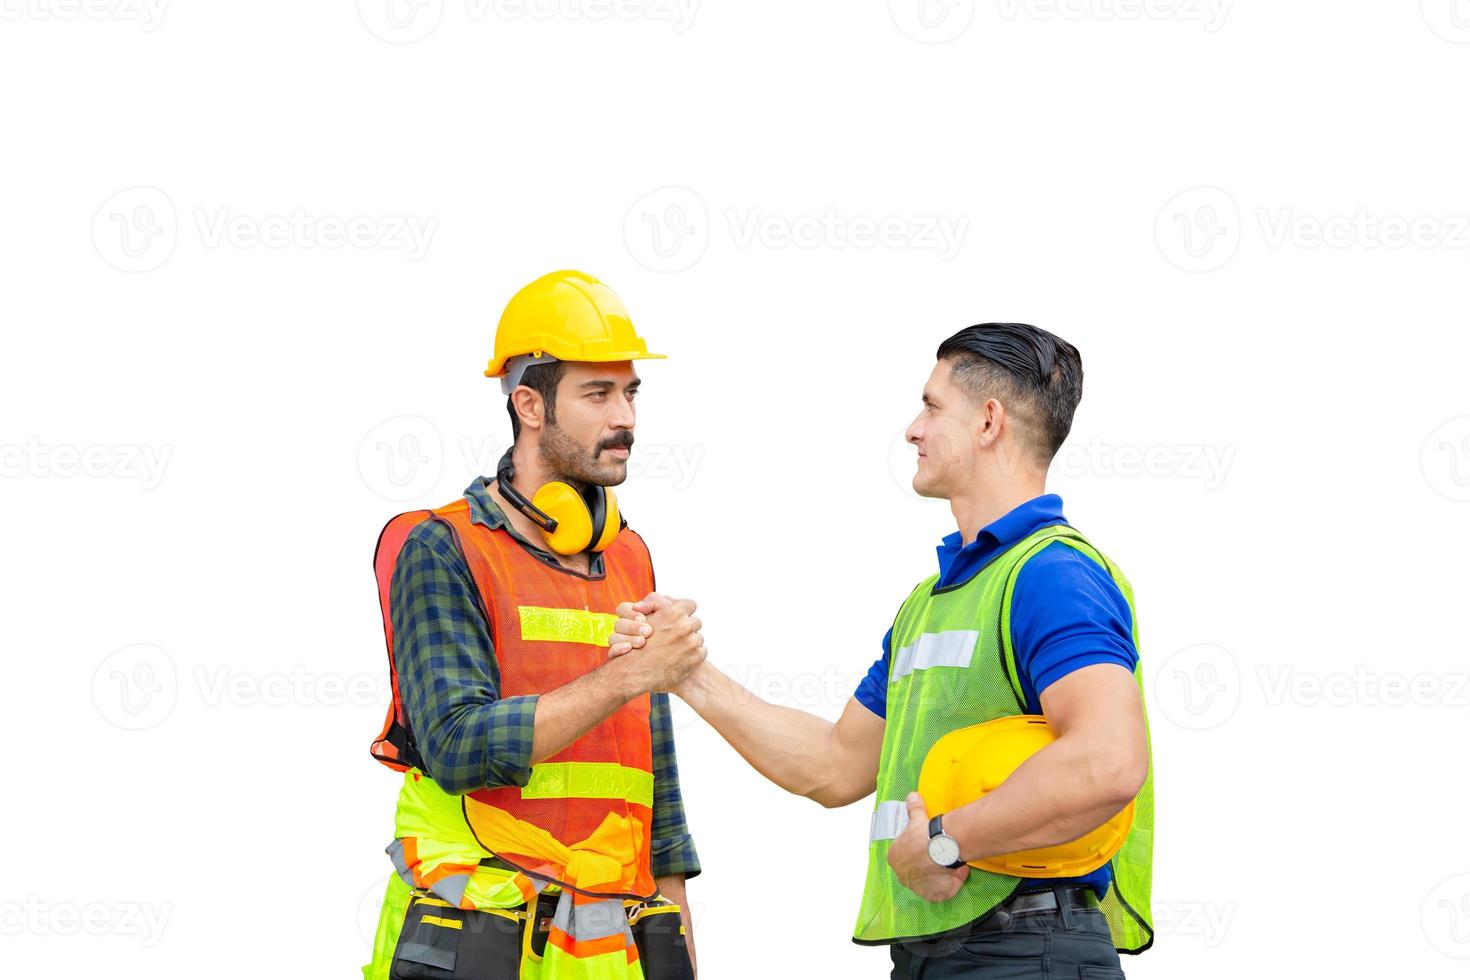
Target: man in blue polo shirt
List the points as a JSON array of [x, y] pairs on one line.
[[1066, 613], [1024, 618]]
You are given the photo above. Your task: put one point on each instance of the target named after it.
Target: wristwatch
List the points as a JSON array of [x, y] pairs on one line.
[[944, 850]]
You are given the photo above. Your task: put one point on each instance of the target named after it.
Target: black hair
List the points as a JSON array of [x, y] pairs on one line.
[[542, 379], [1026, 368]]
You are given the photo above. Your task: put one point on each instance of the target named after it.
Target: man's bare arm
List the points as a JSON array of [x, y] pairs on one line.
[[1095, 767], [832, 763]]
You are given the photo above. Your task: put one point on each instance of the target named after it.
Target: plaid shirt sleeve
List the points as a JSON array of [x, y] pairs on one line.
[[469, 737], [672, 846]]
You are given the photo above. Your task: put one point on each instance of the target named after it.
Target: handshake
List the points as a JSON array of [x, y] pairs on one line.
[[659, 640]]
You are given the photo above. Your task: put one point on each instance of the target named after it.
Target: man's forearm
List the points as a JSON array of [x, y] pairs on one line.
[[1056, 796], [572, 710], [787, 746]]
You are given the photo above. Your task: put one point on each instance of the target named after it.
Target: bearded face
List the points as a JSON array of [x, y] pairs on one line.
[[603, 463]]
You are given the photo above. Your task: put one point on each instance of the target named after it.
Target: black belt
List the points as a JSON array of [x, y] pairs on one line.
[[1031, 902]]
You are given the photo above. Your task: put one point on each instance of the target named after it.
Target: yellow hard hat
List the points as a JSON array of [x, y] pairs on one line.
[[970, 762], [570, 316]]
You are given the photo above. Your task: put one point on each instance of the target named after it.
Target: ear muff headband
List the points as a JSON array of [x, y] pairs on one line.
[[505, 473], [596, 499], [612, 522]]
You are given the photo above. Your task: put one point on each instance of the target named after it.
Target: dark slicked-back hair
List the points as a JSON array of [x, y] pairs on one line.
[[543, 379], [1036, 375]]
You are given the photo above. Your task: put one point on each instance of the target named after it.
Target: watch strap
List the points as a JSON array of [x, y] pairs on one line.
[[935, 829]]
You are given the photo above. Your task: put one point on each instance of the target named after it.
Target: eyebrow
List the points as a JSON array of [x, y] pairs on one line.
[[607, 385]]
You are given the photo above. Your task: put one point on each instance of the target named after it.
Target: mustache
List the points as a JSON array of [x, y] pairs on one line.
[[623, 440]]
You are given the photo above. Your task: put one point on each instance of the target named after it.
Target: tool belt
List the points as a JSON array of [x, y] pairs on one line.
[[999, 919], [441, 942]]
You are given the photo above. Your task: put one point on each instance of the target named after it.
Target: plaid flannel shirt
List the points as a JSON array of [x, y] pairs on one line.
[[469, 736]]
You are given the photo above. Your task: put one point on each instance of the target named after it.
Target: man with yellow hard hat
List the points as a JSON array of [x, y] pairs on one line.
[[539, 831], [1003, 729]]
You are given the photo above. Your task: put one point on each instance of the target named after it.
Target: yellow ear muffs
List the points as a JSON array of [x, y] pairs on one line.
[[565, 505], [612, 520]]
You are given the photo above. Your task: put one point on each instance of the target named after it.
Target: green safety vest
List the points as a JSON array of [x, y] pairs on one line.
[[951, 665]]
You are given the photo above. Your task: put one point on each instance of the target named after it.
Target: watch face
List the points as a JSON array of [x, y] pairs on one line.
[[943, 850]]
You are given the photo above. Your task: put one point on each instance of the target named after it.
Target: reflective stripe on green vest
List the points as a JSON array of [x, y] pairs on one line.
[[951, 665]]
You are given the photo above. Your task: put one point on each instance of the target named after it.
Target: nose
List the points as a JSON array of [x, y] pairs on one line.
[[623, 416]]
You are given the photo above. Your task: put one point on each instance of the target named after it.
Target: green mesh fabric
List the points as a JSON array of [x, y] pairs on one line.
[[951, 666]]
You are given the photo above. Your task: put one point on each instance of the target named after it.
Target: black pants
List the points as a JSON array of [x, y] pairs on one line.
[[1061, 944]]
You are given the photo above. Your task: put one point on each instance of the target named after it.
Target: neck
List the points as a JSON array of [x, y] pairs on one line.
[[985, 501]]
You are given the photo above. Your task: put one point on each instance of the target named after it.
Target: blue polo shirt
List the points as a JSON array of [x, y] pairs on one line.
[[1066, 614]]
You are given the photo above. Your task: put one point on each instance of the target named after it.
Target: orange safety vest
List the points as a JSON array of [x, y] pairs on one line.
[[550, 626]]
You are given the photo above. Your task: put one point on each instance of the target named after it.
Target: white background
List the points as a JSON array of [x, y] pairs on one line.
[[1250, 217]]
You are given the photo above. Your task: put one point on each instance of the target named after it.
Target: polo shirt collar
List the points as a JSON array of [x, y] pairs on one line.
[[1002, 532]]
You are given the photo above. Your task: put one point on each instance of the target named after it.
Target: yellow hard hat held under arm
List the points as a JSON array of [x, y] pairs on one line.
[[970, 762]]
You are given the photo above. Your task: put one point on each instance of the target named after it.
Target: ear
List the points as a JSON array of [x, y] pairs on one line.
[[990, 418], [529, 405]]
